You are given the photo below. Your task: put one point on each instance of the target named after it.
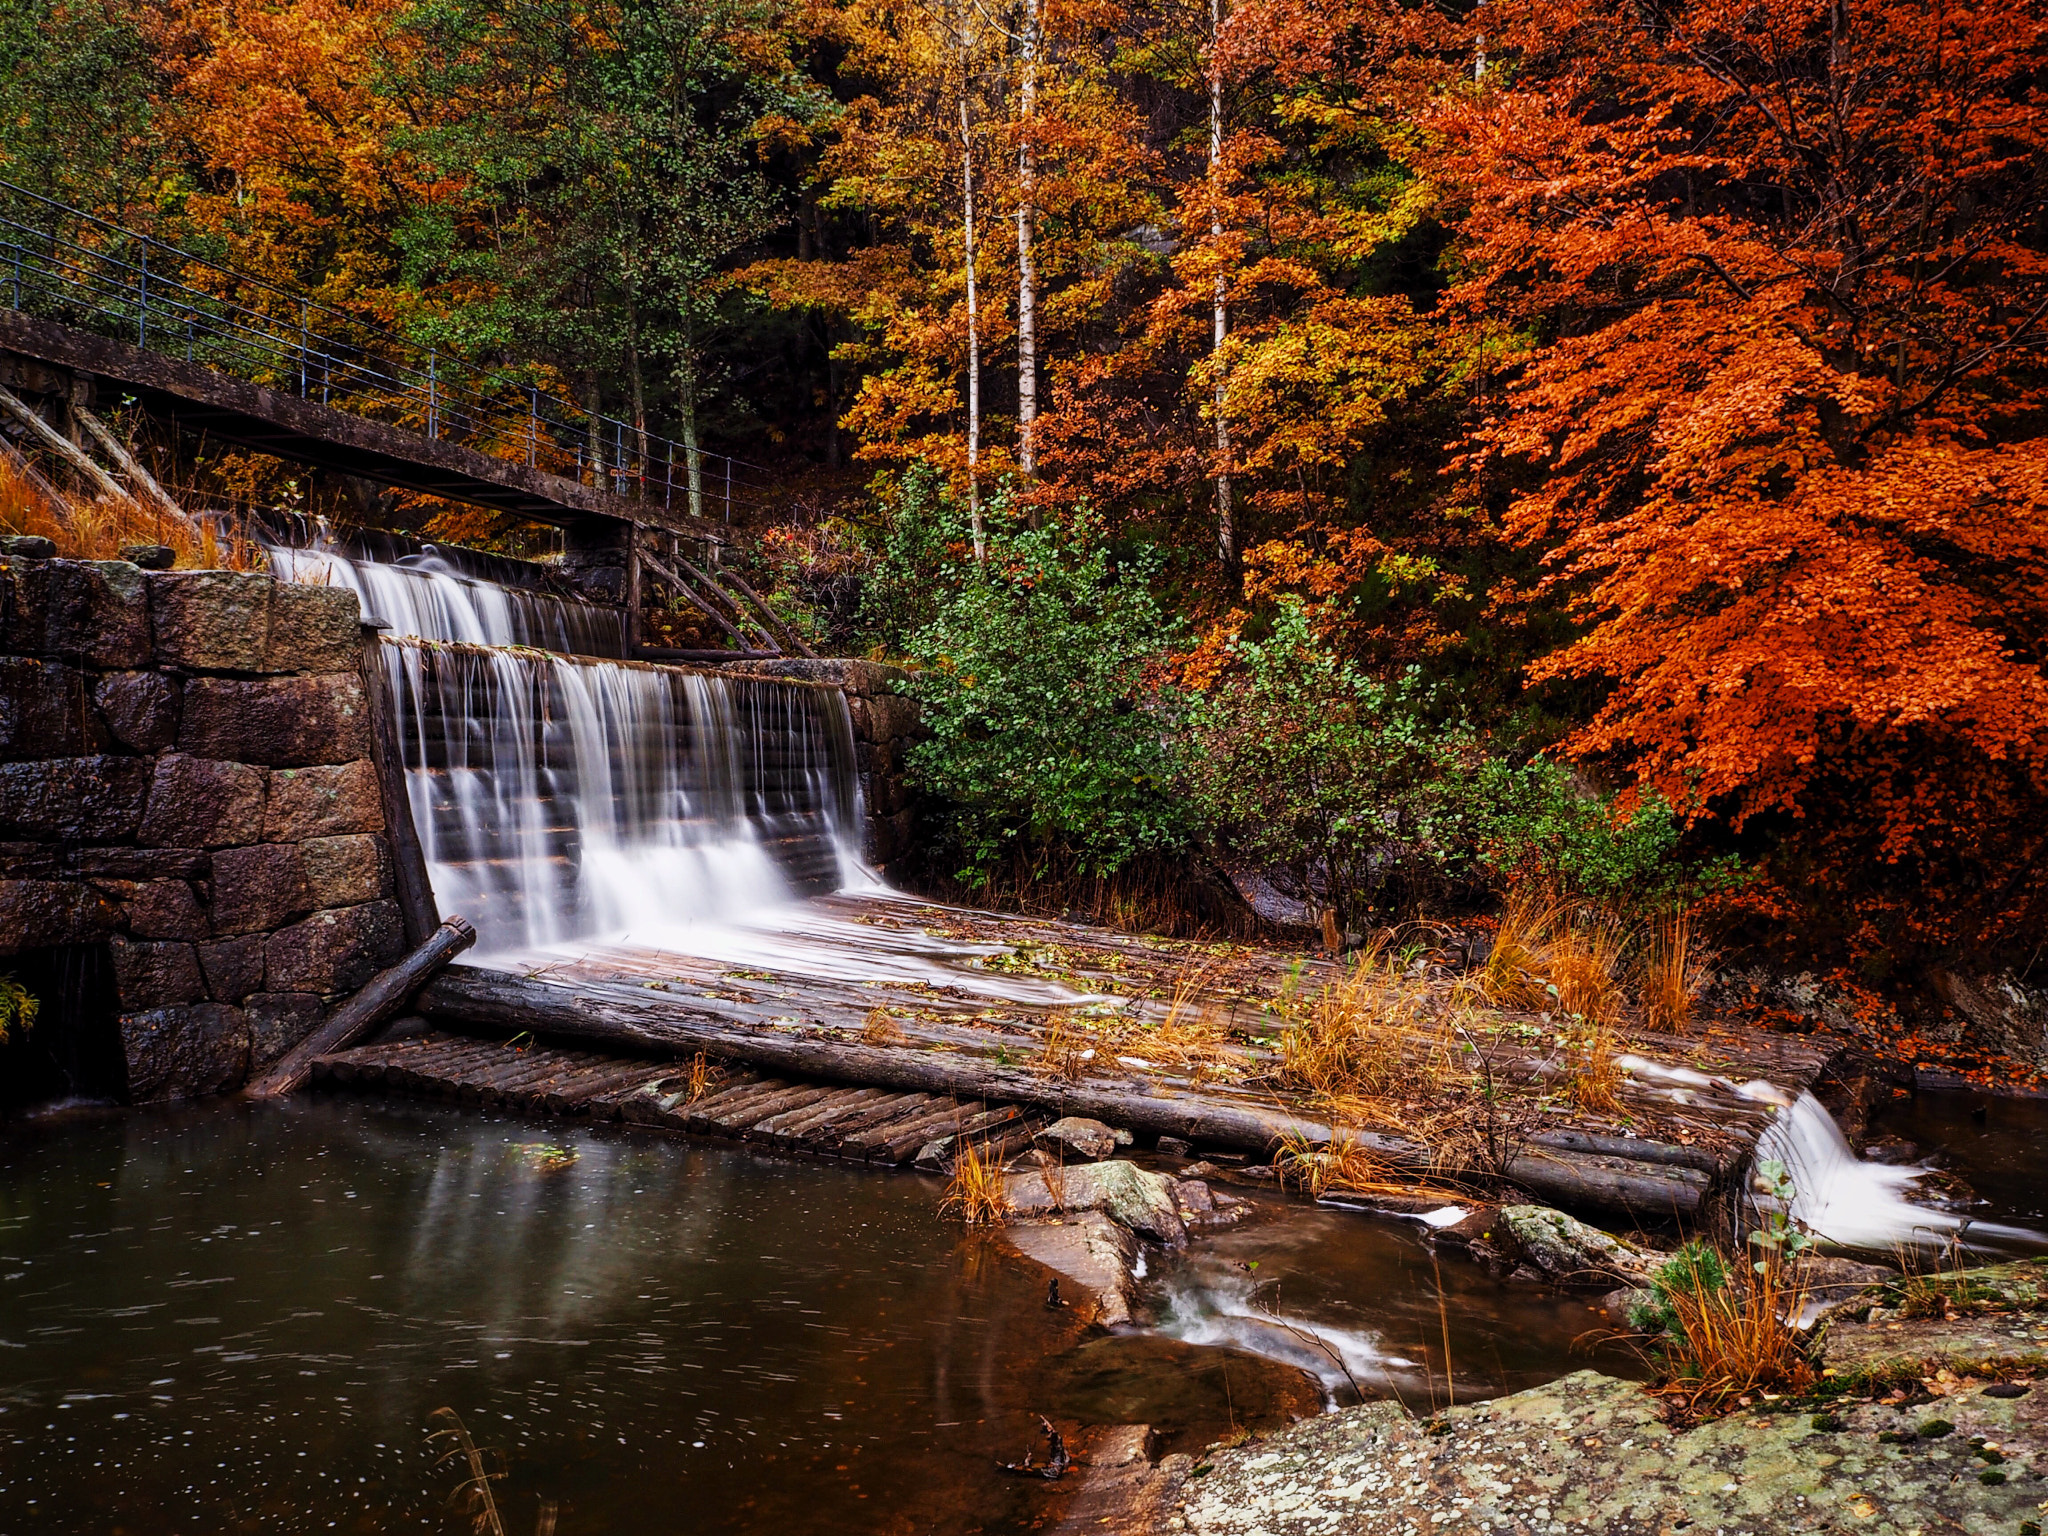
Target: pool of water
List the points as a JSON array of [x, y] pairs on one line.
[[243, 1318], [1998, 1145]]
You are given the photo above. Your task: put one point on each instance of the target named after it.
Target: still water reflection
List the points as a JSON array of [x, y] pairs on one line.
[[236, 1320]]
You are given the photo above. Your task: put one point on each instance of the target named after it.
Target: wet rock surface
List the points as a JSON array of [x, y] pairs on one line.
[[1589, 1453], [1077, 1136], [1132, 1196]]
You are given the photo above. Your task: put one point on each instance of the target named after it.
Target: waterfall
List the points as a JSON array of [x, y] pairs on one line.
[[560, 797], [423, 595], [1841, 1199]]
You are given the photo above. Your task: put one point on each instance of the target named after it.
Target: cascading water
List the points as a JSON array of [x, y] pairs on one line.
[[560, 797], [1841, 1199], [425, 596]]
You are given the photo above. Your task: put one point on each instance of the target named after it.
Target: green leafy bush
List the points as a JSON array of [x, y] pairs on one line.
[[1695, 1269], [1297, 759], [1046, 733], [1536, 825], [18, 1008]]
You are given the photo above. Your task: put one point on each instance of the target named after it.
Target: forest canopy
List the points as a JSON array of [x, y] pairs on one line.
[[1650, 393]]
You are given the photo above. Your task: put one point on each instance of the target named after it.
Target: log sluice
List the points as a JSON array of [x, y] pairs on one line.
[[789, 1114]]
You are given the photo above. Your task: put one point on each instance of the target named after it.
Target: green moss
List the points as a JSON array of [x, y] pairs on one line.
[[1934, 1429]]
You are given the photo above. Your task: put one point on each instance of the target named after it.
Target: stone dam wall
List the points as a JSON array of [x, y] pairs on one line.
[[188, 805]]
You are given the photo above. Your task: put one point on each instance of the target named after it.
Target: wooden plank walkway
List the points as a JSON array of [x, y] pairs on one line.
[[789, 1114]]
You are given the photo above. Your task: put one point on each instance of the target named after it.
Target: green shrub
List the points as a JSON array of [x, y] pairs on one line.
[[1297, 759], [1046, 734], [1535, 824], [18, 1009]]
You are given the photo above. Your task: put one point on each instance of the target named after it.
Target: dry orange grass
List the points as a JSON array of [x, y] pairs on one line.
[[976, 1193], [1193, 1039], [1366, 1036], [879, 1028], [88, 529], [1067, 1049], [701, 1078], [1674, 967], [1732, 1336], [1347, 1165]]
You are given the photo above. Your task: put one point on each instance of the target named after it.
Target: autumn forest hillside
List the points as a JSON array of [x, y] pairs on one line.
[[1417, 450]]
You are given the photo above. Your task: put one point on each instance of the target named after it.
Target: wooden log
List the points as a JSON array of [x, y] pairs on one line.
[[688, 594], [673, 1025], [64, 448], [131, 466], [781, 633], [416, 906], [381, 997]]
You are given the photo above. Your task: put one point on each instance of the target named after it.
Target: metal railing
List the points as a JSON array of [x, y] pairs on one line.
[[60, 263]]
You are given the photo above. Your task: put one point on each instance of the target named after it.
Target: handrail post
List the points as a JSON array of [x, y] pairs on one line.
[[302, 348], [532, 425], [728, 490], [142, 309], [433, 400]]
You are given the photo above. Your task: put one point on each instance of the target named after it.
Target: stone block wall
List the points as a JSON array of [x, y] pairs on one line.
[[885, 726], [186, 778]]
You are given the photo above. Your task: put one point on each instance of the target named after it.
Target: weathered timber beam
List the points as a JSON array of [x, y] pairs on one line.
[[669, 1025], [131, 466], [380, 998], [684, 591], [63, 447], [782, 634], [416, 905], [710, 584]]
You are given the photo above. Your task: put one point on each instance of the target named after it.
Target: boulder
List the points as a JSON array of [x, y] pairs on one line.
[[140, 708], [165, 909], [177, 1053], [323, 802], [90, 612], [201, 802], [35, 914], [279, 721], [1568, 1252], [233, 968], [345, 871], [1127, 1194], [278, 1021], [1089, 1140], [1088, 1251]]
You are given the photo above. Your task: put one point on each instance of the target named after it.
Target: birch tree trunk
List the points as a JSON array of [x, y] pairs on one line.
[[686, 407], [973, 311], [1027, 271], [1226, 531]]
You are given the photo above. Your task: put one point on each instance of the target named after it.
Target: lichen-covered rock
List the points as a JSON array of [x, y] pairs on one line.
[[1081, 1137], [228, 621], [1132, 1196], [1569, 1252], [1588, 1453], [323, 802], [346, 871], [200, 802]]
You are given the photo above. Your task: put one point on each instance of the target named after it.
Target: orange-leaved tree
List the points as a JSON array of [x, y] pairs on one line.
[[1781, 437]]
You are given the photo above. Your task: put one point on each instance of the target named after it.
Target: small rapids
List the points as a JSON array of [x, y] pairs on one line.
[[1842, 1199]]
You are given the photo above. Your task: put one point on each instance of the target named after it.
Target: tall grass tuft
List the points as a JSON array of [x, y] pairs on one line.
[[976, 1193], [880, 1028], [1727, 1333], [1673, 970], [1067, 1051], [84, 528]]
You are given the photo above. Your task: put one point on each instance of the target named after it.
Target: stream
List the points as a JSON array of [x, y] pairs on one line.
[[241, 1318]]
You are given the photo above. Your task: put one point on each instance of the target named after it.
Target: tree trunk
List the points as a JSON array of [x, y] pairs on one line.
[[1027, 270], [1226, 531], [973, 312], [686, 407]]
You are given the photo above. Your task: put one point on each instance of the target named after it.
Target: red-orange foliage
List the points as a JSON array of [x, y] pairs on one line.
[[1781, 433]]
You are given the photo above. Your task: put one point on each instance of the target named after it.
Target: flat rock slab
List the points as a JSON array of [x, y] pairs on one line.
[[1919, 1346], [1090, 1252], [1588, 1453]]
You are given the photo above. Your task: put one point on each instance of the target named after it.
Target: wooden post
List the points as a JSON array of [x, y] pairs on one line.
[[386, 993], [409, 860], [64, 448], [129, 465], [633, 598]]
